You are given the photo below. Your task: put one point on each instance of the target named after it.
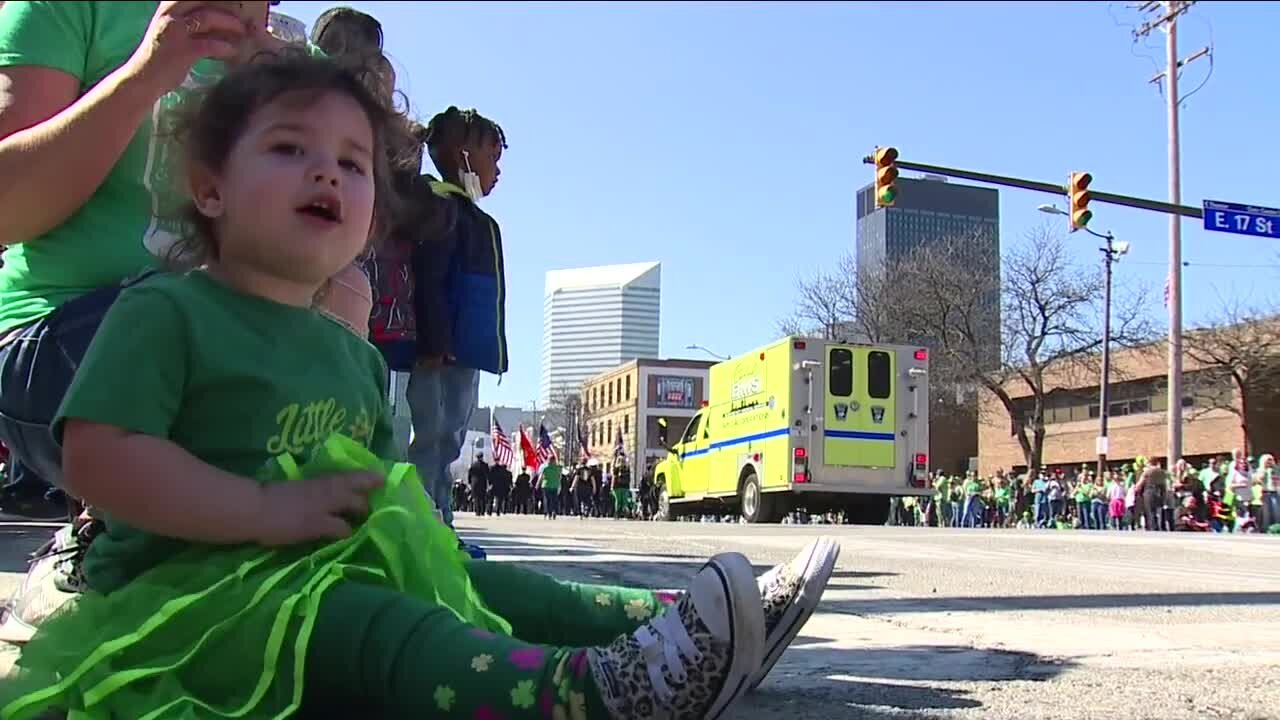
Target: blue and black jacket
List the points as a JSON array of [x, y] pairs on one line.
[[460, 290]]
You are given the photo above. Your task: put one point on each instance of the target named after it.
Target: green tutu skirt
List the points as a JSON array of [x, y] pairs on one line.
[[223, 632]]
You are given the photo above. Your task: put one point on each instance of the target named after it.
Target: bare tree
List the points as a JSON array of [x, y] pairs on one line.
[[1050, 310], [846, 303], [1016, 328], [1239, 357], [824, 301]]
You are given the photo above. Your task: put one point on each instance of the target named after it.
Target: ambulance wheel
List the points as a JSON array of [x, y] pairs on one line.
[[757, 507], [664, 505]]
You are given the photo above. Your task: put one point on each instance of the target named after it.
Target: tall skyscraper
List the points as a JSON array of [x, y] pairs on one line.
[[930, 209], [926, 209], [597, 318]]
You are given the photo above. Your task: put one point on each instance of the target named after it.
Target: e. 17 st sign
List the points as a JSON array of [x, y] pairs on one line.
[[1241, 219]]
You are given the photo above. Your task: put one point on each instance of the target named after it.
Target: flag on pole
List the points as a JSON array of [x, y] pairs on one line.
[[582, 443], [526, 450], [502, 450], [619, 449], [1166, 292], [546, 451]]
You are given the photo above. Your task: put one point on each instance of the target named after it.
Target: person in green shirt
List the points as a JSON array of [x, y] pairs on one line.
[[942, 499], [551, 489], [1001, 493], [85, 186]]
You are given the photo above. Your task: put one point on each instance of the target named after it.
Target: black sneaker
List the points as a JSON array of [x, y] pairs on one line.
[[695, 659]]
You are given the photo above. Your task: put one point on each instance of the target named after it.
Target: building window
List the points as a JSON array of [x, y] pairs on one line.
[[609, 430], [610, 395], [626, 424], [628, 385]]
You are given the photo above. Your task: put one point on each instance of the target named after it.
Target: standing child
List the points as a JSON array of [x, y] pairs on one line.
[[459, 296], [254, 558]]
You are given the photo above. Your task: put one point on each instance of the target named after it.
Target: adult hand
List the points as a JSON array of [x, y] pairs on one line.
[[180, 34], [319, 508]]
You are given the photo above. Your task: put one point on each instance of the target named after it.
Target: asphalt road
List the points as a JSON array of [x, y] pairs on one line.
[[966, 624], [928, 623]]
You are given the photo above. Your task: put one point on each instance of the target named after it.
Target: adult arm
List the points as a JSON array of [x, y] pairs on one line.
[[57, 146]]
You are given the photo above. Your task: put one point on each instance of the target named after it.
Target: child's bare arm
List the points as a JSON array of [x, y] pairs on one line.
[[151, 483]]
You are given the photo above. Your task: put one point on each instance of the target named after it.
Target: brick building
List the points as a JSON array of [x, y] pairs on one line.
[[1138, 403], [632, 397]]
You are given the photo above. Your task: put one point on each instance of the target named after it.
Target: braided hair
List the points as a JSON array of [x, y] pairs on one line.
[[454, 129]]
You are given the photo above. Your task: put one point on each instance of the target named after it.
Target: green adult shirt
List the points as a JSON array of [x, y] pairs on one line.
[[942, 488], [972, 487], [134, 215], [234, 379], [551, 477]]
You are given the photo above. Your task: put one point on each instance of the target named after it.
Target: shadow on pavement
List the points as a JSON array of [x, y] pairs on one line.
[[814, 676], [1046, 602], [864, 700], [18, 541], [925, 663]]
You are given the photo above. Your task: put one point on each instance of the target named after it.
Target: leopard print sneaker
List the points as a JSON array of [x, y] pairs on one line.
[[790, 593], [695, 659]]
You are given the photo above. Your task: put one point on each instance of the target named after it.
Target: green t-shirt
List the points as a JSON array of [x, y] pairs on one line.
[[106, 241], [551, 477], [234, 379], [972, 487]]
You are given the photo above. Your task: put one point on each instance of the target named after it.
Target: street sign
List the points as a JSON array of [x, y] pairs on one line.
[[1241, 219]]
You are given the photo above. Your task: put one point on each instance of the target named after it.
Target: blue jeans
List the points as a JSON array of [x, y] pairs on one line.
[[1042, 510], [36, 368], [441, 401], [1099, 509], [974, 511]]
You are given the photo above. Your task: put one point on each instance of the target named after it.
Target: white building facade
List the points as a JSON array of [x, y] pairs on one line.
[[597, 318]]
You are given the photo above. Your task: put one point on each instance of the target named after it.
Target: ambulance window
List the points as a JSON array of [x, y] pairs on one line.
[[879, 379], [691, 432], [840, 373]]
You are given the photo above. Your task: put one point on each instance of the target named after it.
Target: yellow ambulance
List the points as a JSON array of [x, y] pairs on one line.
[[803, 423]]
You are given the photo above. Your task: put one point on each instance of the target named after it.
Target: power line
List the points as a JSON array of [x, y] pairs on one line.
[[1190, 264]]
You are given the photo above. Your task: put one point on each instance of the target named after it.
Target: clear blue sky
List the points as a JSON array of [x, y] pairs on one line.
[[725, 139]]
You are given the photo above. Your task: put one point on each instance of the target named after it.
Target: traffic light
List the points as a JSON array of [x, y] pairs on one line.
[[886, 176], [1078, 192]]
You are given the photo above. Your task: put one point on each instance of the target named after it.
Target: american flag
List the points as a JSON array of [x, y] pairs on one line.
[[502, 450], [619, 449], [546, 451], [1166, 292]]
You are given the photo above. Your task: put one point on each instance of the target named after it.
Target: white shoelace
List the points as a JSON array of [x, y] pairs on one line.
[[662, 643]]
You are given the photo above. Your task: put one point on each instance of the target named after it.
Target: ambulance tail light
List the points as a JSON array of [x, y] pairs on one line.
[[920, 476], [801, 454], [922, 355], [799, 345], [802, 477]]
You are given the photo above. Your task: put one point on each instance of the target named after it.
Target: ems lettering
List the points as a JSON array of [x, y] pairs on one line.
[[302, 426]]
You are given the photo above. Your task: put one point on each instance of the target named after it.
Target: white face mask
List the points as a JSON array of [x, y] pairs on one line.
[[470, 180]]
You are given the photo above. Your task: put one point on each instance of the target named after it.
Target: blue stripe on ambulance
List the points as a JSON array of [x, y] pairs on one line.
[[781, 432], [858, 435], [757, 437]]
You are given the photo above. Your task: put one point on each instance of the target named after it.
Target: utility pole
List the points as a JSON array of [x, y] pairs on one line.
[[1169, 21]]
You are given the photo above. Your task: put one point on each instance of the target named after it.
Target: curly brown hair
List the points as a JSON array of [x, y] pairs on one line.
[[208, 124]]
